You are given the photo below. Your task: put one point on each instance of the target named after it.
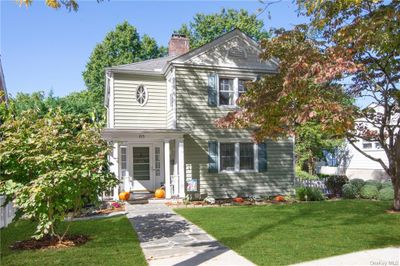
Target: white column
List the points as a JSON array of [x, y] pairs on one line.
[[167, 172], [181, 167], [114, 160]]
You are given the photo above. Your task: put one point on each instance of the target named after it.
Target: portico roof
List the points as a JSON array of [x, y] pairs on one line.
[[127, 133]]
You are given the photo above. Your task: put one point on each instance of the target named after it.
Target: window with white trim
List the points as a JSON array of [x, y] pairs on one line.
[[124, 171], [226, 92], [141, 95], [230, 89], [236, 157], [157, 154]]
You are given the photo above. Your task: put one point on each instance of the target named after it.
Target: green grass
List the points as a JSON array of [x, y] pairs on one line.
[[113, 242], [284, 234]]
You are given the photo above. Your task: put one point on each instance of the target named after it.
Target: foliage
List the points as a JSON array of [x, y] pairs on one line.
[[334, 183], [309, 194], [52, 165], [369, 192], [311, 142], [375, 183], [266, 234], [387, 184], [56, 4], [110, 238], [123, 45], [205, 28], [304, 175], [386, 194], [357, 183], [349, 49], [349, 191]]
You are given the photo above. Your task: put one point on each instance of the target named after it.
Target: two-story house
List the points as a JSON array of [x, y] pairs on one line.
[[161, 115]]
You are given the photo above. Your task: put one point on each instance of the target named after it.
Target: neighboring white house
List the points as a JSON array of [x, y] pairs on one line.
[[161, 117], [354, 164]]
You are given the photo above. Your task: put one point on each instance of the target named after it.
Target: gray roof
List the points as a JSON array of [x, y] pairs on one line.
[[152, 65]]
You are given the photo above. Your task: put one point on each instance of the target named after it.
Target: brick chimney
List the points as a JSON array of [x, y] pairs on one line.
[[178, 44]]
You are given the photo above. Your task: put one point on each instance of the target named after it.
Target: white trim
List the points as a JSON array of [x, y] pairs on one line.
[[167, 172], [181, 167], [237, 156], [146, 95], [111, 103]]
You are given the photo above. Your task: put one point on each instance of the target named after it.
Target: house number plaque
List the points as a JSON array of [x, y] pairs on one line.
[[141, 136]]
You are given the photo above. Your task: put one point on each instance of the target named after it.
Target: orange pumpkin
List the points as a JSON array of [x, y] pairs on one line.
[[160, 193], [279, 198], [238, 200], [124, 195]]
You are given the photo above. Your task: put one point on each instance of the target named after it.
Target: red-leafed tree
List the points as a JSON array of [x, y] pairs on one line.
[[350, 50]]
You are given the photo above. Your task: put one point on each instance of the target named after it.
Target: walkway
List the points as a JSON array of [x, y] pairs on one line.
[[374, 257], [168, 239]]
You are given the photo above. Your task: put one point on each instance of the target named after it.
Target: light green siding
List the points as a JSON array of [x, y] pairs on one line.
[[195, 116], [127, 111]]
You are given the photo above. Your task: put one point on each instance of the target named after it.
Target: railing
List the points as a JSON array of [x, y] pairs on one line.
[[319, 183], [7, 212], [174, 185]]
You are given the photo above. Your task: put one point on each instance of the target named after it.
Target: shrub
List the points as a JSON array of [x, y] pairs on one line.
[[386, 194], [387, 184], [309, 194], [335, 183], [375, 183], [358, 183], [349, 191], [304, 175], [369, 192]]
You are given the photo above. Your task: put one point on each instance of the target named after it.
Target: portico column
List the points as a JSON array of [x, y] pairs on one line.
[[167, 172], [181, 167], [114, 168]]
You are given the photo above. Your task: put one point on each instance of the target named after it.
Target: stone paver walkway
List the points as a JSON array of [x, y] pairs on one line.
[[168, 239]]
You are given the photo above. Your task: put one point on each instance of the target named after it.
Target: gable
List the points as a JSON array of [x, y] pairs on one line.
[[235, 51]]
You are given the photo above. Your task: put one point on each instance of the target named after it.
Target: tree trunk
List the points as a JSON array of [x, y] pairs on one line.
[[396, 187]]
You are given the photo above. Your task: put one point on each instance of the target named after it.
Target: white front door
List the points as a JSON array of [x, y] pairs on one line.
[[142, 168]]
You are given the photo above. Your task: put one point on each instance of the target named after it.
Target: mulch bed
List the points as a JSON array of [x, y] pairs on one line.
[[107, 211], [50, 243]]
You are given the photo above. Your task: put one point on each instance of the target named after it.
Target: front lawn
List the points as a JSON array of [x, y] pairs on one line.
[[285, 234], [113, 242]]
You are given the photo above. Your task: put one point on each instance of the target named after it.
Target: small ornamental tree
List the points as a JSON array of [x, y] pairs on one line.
[[52, 165], [350, 48]]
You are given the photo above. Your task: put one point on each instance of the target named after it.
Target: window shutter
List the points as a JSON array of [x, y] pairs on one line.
[[212, 89], [213, 156], [262, 157]]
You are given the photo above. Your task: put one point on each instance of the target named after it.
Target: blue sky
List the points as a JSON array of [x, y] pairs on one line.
[[45, 49]]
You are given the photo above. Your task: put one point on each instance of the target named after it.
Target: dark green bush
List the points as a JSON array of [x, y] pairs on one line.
[[369, 192], [309, 194], [334, 183], [358, 183], [386, 194], [349, 191], [387, 184], [376, 183]]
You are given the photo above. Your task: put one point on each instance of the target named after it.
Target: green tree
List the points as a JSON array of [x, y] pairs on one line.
[[311, 142], [205, 28], [123, 45], [52, 165], [350, 48]]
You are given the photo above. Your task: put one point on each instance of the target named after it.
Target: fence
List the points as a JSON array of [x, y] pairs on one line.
[[319, 183], [7, 212]]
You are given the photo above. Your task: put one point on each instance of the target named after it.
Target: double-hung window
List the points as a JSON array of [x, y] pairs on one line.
[[227, 156], [226, 92], [235, 157], [230, 89]]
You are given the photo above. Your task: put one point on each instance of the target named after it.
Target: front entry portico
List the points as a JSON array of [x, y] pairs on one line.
[[144, 160]]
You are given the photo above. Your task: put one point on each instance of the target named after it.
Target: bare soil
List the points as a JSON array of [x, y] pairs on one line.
[[50, 243]]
